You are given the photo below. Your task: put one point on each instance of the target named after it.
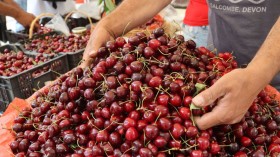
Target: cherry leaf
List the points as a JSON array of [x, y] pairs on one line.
[[199, 87], [193, 107]]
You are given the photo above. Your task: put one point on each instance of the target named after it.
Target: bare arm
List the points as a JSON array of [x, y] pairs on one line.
[[237, 90], [12, 3], [132, 13], [266, 62], [10, 8], [128, 15]]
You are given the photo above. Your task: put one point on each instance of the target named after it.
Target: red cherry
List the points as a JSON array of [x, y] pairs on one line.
[[185, 113], [129, 122], [240, 154], [187, 101], [176, 100], [161, 111], [274, 148], [131, 134], [203, 143], [246, 141], [155, 81], [192, 131], [177, 130], [196, 153], [154, 44], [151, 131], [214, 148], [163, 99]]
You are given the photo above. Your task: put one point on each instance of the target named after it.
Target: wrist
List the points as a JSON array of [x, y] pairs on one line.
[[17, 14], [105, 25], [260, 76]]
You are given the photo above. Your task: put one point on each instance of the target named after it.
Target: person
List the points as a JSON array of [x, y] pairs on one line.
[[195, 23], [251, 29], [11, 8]]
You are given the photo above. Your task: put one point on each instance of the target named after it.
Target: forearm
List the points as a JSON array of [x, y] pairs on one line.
[[266, 64], [132, 13], [9, 10]]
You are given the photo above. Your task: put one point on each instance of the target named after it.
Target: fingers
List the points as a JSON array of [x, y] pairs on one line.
[[93, 54], [88, 57], [225, 111], [206, 98], [85, 63], [210, 95], [37, 25], [206, 121]]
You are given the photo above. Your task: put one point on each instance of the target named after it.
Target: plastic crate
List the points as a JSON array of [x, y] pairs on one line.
[[14, 37], [74, 58], [23, 85]]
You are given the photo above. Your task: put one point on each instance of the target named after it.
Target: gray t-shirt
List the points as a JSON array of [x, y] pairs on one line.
[[241, 26]]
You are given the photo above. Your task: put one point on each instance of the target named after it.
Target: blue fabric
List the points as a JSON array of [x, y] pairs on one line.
[[22, 4], [199, 34]]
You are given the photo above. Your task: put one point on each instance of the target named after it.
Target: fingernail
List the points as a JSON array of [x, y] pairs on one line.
[[198, 101]]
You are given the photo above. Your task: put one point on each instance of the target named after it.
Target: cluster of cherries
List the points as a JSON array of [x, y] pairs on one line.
[[58, 43], [12, 62], [40, 31], [135, 101]]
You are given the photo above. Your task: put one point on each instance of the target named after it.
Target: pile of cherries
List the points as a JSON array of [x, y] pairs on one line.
[[12, 62], [43, 30], [40, 31], [58, 43], [135, 101]]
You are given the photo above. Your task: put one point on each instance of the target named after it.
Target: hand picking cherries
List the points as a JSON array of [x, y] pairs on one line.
[[12, 62], [135, 101]]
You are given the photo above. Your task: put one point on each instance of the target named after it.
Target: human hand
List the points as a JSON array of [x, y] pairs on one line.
[[25, 19], [98, 38], [235, 93]]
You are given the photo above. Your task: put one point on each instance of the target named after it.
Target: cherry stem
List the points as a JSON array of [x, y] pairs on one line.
[[162, 53], [128, 150], [157, 117], [79, 145], [109, 125], [93, 124], [147, 143], [156, 96], [172, 136], [184, 141]]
